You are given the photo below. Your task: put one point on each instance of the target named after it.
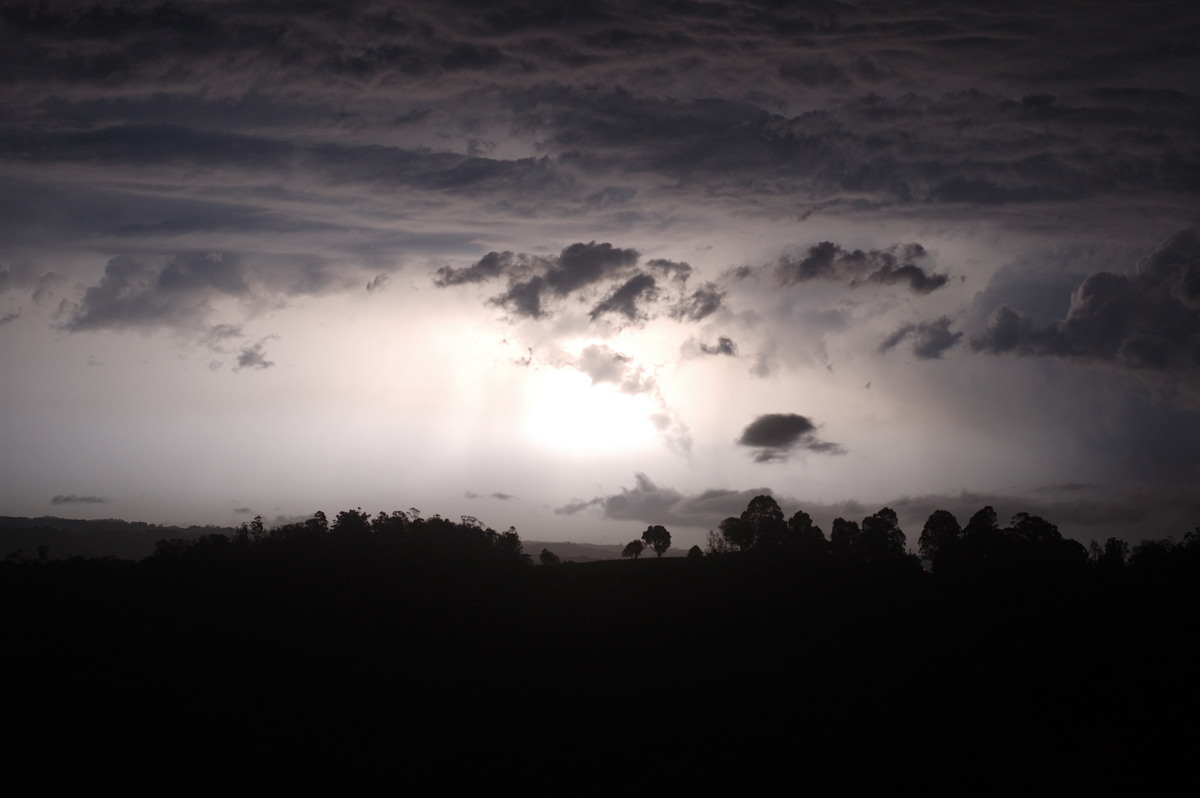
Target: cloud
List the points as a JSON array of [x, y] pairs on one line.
[[702, 302], [776, 435], [73, 499], [723, 346], [488, 267], [378, 283], [605, 365], [625, 299], [578, 266], [9, 317], [1134, 515], [1147, 322], [829, 261], [504, 497], [177, 295], [649, 503], [930, 339], [253, 357]]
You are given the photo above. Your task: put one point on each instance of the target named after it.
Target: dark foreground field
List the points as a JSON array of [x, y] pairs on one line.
[[781, 672]]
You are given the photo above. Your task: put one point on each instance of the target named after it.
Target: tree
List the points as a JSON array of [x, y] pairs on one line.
[[633, 549], [657, 538], [694, 553], [843, 538], [765, 517], [737, 534], [881, 537], [548, 557], [940, 534], [803, 533]]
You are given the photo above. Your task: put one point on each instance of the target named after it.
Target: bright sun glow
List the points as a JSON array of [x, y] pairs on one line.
[[565, 412]]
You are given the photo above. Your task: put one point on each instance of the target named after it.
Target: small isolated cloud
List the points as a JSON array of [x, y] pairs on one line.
[[73, 499], [774, 436], [252, 356], [930, 339], [899, 264], [497, 495], [16, 314], [378, 283], [1148, 322], [723, 346]]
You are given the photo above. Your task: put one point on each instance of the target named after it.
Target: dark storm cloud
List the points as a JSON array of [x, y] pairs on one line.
[[489, 266], [131, 294], [1148, 321], [775, 436], [626, 300], [73, 499], [671, 269], [701, 303], [930, 339], [252, 356], [829, 261], [723, 346], [577, 267], [647, 502]]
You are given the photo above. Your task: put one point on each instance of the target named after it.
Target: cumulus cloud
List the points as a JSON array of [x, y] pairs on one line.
[[700, 304], [603, 364], [775, 436], [488, 267], [177, 295], [252, 356], [578, 266], [1146, 322], [73, 499], [930, 339], [625, 299], [902, 263]]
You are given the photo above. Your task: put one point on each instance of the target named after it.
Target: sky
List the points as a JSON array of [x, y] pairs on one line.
[[583, 268]]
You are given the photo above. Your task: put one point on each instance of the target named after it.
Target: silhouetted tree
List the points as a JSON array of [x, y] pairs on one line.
[[548, 557], [736, 534], [803, 534], [633, 549], [1112, 557], [881, 537], [843, 537], [940, 535], [352, 523], [764, 516], [694, 553], [657, 538]]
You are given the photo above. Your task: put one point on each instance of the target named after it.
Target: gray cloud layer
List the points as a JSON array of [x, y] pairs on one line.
[[1146, 321]]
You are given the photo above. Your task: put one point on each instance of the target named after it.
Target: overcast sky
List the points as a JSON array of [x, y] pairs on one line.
[[581, 268]]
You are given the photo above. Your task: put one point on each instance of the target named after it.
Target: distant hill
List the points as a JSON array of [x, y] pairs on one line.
[[109, 537]]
